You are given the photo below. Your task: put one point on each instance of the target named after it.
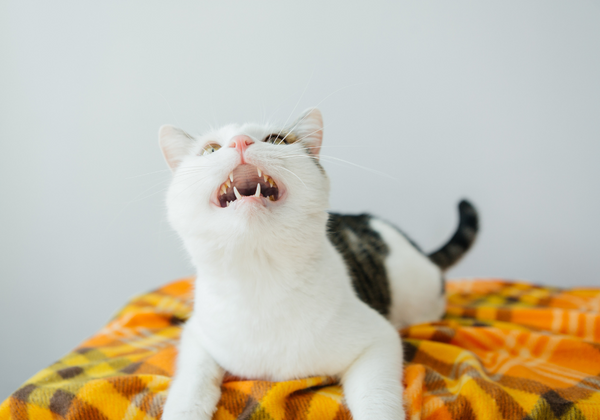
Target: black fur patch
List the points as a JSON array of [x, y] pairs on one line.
[[364, 252], [315, 159], [462, 239], [443, 282]]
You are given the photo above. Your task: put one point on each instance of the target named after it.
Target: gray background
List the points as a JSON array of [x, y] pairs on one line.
[[495, 101]]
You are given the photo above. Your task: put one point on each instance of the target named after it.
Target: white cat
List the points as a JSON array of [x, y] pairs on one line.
[[277, 295]]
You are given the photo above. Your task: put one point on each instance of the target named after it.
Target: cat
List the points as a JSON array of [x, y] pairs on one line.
[[285, 289]]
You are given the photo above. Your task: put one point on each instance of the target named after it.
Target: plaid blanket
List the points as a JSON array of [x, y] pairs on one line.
[[505, 350]]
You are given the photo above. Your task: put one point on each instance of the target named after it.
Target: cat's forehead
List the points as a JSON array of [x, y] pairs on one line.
[[224, 134]]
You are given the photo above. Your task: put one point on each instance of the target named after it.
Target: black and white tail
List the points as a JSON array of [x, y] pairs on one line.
[[462, 239]]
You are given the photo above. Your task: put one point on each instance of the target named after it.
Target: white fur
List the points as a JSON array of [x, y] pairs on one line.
[[273, 298], [415, 281]]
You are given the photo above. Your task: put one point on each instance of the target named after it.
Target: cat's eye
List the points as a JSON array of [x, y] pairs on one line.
[[209, 148], [280, 138]]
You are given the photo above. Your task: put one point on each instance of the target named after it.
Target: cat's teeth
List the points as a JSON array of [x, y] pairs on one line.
[[223, 189], [231, 176], [265, 177], [228, 203], [257, 193], [271, 183], [259, 172], [237, 193], [228, 183], [272, 198]]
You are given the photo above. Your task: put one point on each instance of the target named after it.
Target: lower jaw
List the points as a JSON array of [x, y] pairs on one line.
[[251, 201]]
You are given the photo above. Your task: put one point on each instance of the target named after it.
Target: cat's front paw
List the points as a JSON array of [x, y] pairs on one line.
[[188, 408], [187, 413]]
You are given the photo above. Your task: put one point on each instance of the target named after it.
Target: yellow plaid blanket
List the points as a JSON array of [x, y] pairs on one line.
[[505, 350]]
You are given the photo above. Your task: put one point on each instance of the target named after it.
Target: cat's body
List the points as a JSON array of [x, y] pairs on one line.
[[274, 295], [380, 259]]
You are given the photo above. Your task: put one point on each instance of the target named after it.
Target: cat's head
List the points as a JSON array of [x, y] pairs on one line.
[[245, 181]]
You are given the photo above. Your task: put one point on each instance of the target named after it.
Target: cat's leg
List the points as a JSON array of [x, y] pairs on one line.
[[373, 382], [196, 388]]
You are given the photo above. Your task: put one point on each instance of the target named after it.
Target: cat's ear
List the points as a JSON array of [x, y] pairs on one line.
[[309, 129], [175, 144]]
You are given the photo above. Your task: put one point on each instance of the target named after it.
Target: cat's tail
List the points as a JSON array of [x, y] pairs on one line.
[[462, 239]]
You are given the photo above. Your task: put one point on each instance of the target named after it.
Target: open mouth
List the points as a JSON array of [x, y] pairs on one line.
[[247, 181]]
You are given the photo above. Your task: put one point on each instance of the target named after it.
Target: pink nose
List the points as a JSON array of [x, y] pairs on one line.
[[241, 142]]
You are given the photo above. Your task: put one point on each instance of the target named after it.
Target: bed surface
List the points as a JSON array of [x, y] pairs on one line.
[[505, 349]]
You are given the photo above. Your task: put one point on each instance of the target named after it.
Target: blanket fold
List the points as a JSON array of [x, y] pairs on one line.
[[505, 350]]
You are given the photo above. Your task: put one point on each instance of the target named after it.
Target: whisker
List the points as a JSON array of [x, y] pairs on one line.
[[340, 89], [148, 189], [285, 169], [195, 190], [135, 200], [323, 100], [149, 173], [279, 105], [297, 102], [310, 134], [191, 185], [361, 167], [321, 147], [332, 159]]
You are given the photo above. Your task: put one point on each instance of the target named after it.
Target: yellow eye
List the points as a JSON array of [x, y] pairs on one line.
[[210, 148], [280, 138]]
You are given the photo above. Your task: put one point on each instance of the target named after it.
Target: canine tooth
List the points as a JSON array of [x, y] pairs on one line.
[[231, 176], [259, 172], [237, 193], [228, 183], [257, 193]]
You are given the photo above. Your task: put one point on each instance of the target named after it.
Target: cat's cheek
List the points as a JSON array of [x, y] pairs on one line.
[[283, 193], [214, 202]]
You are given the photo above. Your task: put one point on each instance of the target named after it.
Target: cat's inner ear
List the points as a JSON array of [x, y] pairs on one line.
[[309, 130], [175, 144]]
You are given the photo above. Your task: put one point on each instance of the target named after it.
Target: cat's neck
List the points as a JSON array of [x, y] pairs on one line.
[[259, 255], [270, 260]]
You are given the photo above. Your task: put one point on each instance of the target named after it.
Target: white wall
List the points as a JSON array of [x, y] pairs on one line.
[[495, 101]]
